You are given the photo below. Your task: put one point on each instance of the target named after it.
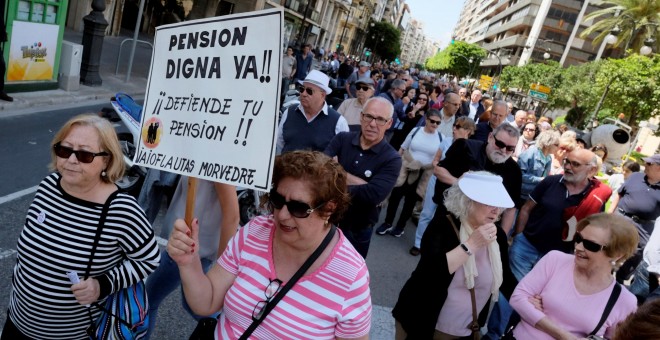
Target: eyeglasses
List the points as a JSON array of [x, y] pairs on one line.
[[362, 88], [588, 245], [421, 98], [433, 121], [81, 155], [309, 91], [458, 126], [529, 130], [574, 164], [500, 144], [270, 291], [296, 208], [367, 118]]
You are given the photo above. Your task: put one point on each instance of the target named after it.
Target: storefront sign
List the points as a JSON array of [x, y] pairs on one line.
[[32, 52]]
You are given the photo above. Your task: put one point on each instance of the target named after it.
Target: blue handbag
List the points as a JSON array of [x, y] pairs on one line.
[[125, 313]]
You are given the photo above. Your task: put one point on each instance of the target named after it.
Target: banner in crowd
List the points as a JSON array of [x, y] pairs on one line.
[[211, 105]]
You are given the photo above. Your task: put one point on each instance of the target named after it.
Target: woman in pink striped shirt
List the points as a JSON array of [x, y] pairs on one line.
[[330, 301]]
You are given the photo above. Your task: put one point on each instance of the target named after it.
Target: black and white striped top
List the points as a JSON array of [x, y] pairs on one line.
[[57, 237]]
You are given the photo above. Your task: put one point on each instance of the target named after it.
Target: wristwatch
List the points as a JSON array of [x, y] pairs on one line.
[[467, 250]]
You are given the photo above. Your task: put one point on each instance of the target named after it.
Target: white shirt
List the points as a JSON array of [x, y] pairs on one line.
[[446, 127], [342, 125]]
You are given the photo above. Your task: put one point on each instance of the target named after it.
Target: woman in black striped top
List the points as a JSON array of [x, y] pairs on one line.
[[59, 231]]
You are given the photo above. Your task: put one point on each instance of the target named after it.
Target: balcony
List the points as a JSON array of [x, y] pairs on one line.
[[515, 40], [520, 5], [299, 6], [526, 21]]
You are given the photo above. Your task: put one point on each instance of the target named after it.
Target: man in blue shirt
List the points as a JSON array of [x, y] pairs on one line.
[[372, 166], [304, 62]]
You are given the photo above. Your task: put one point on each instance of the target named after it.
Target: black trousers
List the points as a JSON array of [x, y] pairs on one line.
[[10, 332], [409, 193]]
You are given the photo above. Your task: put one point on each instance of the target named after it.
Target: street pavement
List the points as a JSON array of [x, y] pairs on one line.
[[28, 124]]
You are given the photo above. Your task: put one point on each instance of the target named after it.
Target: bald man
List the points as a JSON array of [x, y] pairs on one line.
[[547, 220]]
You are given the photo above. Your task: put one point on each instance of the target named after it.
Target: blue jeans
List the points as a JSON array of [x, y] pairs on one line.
[[428, 210], [164, 281], [499, 318], [359, 238], [522, 256]]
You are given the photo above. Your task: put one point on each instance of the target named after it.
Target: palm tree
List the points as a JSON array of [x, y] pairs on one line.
[[626, 16]]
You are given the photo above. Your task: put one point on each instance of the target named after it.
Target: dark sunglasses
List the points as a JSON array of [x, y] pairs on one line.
[[500, 144], [296, 208], [433, 121], [82, 156], [458, 126], [530, 129], [588, 245], [362, 88], [309, 91]]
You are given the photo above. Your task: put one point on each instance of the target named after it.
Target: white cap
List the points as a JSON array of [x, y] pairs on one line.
[[485, 189]]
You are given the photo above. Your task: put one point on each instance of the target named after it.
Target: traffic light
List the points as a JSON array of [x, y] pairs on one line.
[[452, 40], [368, 53], [396, 60], [337, 46]]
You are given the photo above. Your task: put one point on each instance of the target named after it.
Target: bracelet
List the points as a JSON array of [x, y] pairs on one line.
[[466, 249]]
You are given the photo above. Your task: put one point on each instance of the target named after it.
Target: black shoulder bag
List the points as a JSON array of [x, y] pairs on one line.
[[515, 317], [206, 327]]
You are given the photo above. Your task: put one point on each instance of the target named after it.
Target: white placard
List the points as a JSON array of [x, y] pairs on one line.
[[211, 104]]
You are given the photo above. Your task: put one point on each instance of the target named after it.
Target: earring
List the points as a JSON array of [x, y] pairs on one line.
[[325, 224], [613, 263], [103, 173]]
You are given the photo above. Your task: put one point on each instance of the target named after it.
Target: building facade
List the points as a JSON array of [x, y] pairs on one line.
[[524, 31]]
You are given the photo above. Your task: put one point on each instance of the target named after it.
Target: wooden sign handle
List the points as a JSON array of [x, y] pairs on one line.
[[190, 201]]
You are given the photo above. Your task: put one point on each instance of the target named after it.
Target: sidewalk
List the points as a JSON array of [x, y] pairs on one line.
[[27, 102]]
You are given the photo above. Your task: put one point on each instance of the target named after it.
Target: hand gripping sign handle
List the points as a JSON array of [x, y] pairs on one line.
[[190, 201]]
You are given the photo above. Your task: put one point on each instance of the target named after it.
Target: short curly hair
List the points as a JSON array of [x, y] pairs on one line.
[[326, 180]]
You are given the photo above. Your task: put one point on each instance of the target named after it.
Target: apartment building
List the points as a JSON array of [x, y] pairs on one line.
[[524, 31]]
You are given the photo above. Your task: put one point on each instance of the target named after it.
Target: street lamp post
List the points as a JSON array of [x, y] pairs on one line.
[[302, 33]]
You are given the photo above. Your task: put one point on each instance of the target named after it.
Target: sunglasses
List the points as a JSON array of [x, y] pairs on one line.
[[433, 121], [500, 144], [588, 245], [362, 88], [309, 91], [296, 208], [529, 130], [424, 99], [82, 156], [458, 126], [270, 291]]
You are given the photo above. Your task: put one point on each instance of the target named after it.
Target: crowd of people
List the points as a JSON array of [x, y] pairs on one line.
[[518, 234]]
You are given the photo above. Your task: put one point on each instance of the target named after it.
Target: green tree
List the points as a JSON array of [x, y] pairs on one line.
[[580, 91], [390, 47], [550, 74], [455, 59], [634, 86], [643, 14]]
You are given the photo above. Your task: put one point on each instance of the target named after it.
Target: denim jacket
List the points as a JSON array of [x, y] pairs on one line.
[[534, 166]]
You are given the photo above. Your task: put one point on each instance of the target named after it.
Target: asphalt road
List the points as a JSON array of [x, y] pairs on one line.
[[24, 159]]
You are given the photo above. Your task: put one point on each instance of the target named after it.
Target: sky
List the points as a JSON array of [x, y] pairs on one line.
[[439, 17]]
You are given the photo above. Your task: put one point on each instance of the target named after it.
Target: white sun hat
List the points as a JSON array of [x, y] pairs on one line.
[[485, 189], [319, 79]]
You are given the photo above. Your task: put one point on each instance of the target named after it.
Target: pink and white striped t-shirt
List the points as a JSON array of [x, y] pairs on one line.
[[334, 301]]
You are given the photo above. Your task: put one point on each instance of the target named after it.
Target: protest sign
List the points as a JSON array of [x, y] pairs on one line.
[[211, 105]]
